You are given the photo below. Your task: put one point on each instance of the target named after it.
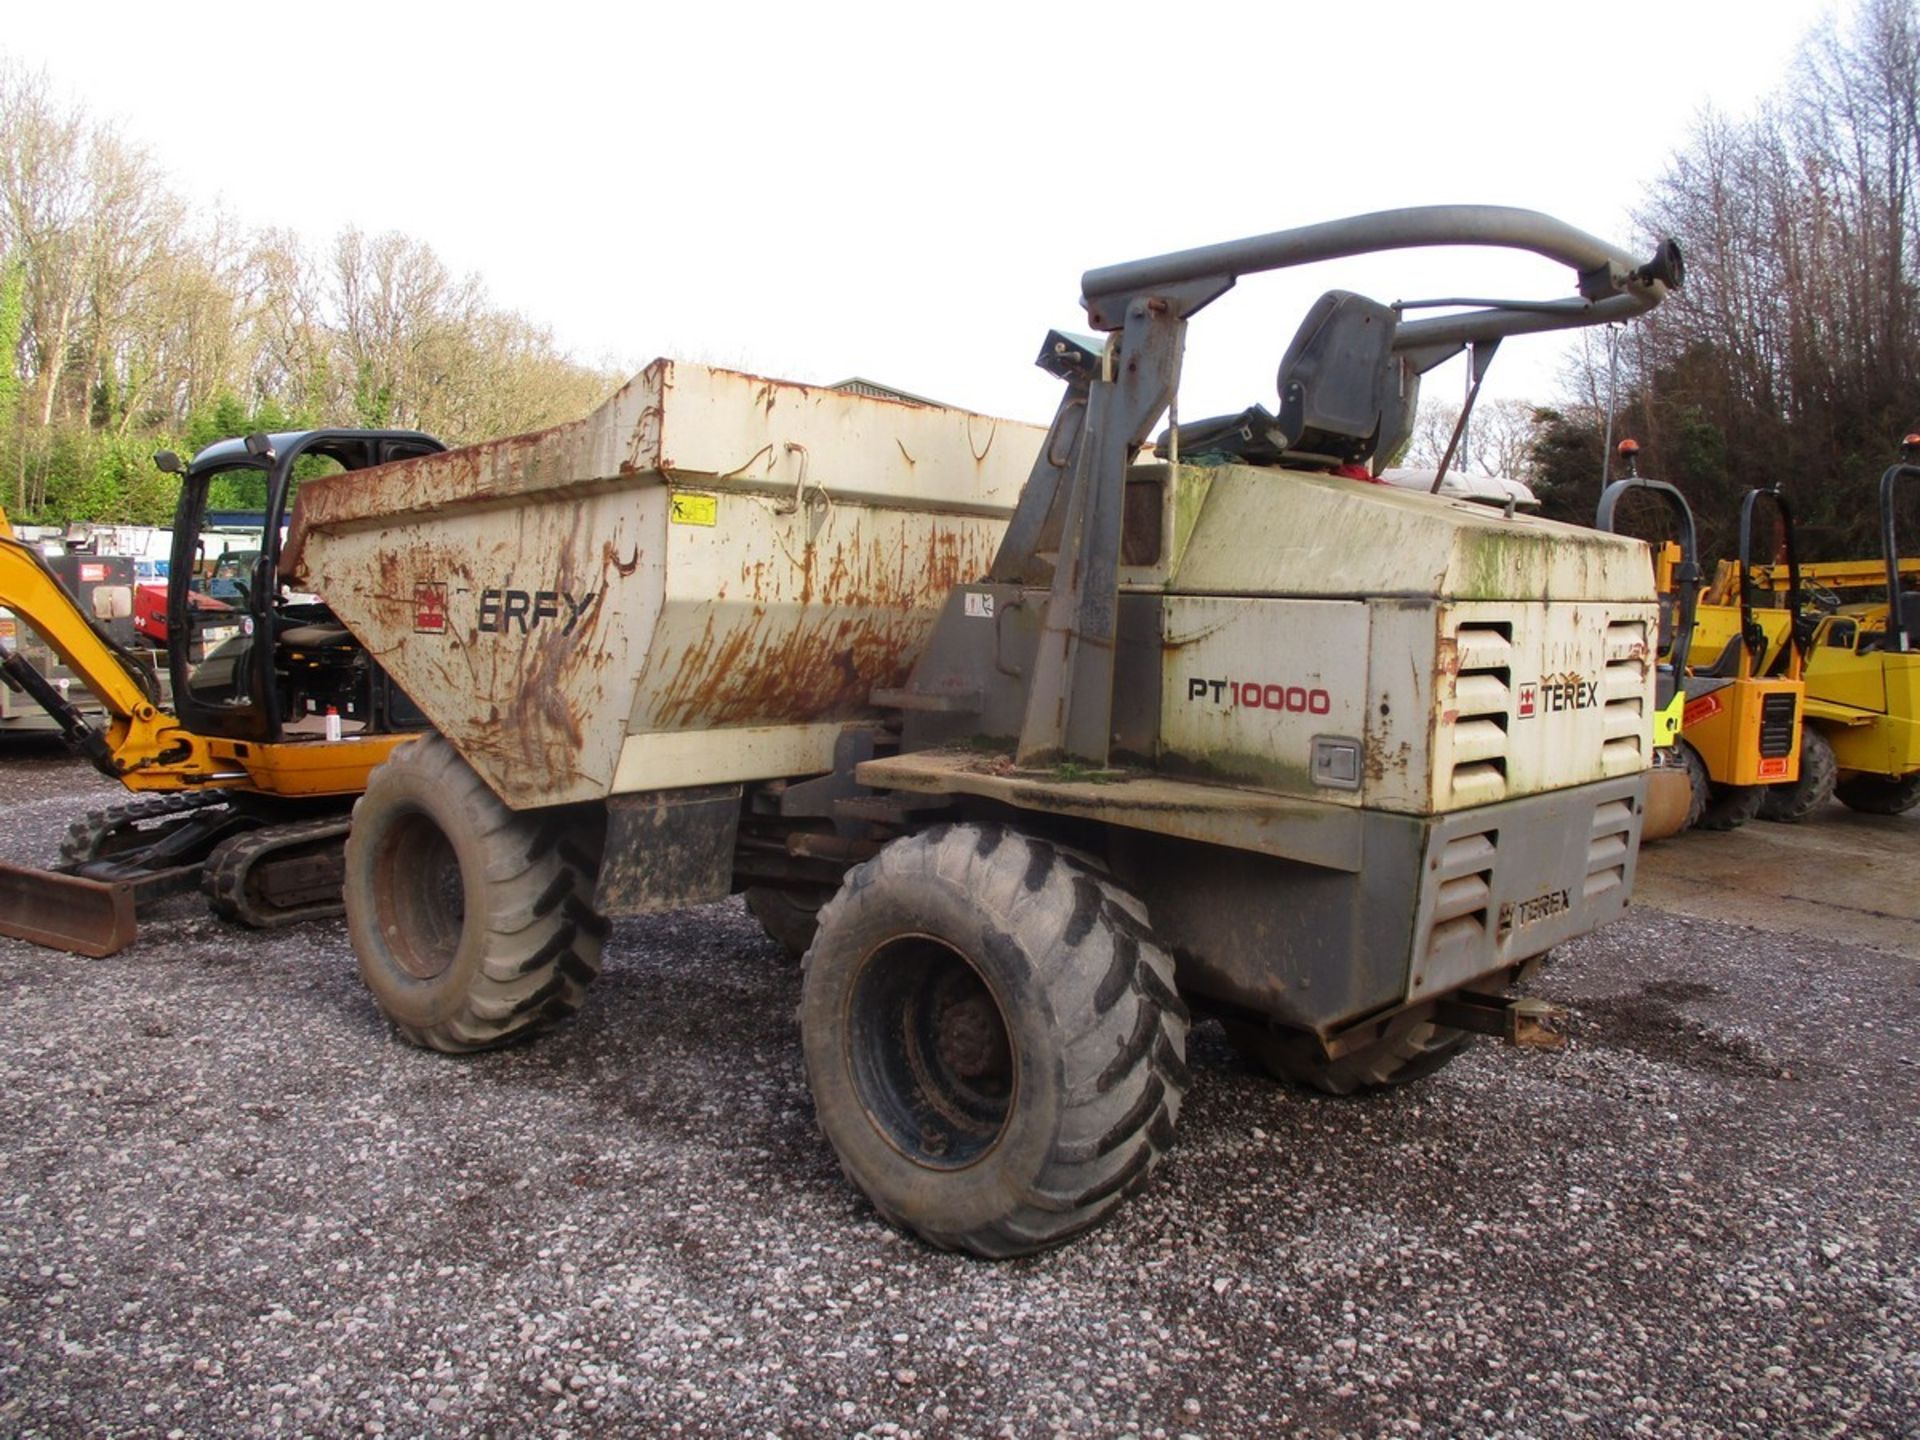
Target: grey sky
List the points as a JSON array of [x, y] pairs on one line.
[[911, 192]]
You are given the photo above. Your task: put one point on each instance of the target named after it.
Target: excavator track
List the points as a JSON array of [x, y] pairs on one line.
[[278, 874], [93, 835]]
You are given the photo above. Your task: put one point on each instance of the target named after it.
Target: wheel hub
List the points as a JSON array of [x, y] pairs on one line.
[[932, 1056]]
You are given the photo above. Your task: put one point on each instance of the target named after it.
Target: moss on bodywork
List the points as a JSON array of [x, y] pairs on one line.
[[1191, 484], [1493, 564], [1071, 772], [1245, 767]]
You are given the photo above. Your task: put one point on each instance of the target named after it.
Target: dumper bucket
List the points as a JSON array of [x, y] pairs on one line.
[[66, 912]]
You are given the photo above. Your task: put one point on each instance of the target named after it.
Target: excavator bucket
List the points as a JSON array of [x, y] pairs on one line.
[[66, 912]]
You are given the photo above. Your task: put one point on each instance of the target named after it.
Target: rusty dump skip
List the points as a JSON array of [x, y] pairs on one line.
[[697, 583]]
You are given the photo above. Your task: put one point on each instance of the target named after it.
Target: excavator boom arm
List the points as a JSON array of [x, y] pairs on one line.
[[139, 733]]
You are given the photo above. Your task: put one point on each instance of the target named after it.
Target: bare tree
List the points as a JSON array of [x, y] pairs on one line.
[[129, 316], [1792, 357], [1499, 439]]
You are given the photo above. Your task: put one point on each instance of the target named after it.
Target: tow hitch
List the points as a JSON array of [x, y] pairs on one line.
[[1536, 1024]]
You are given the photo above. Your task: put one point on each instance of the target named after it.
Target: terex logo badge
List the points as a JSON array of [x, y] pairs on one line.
[[1555, 693], [1528, 912], [430, 608]]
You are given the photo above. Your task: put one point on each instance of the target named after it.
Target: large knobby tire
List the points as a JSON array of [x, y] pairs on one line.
[[790, 917], [1409, 1050], [1813, 789], [994, 1042], [1718, 807], [1731, 806], [1878, 795], [474, 925]]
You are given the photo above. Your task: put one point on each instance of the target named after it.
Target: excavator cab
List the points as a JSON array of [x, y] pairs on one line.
[[240, 793], [251, 659]]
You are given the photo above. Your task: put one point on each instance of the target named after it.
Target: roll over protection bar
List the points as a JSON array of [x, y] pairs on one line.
[[1687, 575], [1751, 636], [1899, 629], [1612, 285]]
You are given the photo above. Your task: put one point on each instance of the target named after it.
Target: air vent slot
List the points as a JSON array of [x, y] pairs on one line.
[[1777, 721], [1625, 726], [1482, 706], [1609, 844], [1464, 873], [1627, 640]]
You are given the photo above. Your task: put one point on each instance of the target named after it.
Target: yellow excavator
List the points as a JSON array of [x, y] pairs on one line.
[[1860, 739], [246, 780]]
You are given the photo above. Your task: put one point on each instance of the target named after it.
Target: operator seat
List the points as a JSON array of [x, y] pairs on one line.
[[1343, 396]]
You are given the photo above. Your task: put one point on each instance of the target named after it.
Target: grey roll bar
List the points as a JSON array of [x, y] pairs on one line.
[[1612, 285]]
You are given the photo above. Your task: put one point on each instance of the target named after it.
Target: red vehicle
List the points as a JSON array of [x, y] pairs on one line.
[[150, 612]]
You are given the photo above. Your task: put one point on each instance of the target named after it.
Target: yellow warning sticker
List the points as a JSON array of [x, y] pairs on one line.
[[685, 508]]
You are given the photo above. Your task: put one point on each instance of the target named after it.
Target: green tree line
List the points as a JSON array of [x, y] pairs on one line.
[[1792, 356], [129, 322]]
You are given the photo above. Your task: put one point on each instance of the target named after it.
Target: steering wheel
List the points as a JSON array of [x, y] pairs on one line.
[[1820, 596]]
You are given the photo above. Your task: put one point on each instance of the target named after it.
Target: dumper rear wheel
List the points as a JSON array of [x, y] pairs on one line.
[[1409, 1050], [790, 917], [1731, 806], [473, 925], [1699, 784], [993, 1039], [1879, 795]]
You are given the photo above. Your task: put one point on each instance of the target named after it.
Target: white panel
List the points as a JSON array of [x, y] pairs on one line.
[[1248, 684], [710, 757]]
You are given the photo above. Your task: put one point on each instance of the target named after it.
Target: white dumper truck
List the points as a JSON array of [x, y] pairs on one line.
[[1028, 739]]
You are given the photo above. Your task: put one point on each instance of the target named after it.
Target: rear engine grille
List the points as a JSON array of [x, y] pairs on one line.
[[1609, 844], [1626, 733], [1482, 701], [1777, 721], [1460, 920]]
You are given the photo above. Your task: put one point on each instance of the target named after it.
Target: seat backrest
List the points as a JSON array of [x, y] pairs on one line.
[[1909, 613], [1726, 665], [1338, 382]]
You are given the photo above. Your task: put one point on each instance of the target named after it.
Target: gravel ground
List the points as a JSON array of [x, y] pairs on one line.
[[234, 1204]]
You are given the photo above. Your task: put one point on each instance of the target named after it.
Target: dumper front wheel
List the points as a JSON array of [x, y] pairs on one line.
[[1818, 773], [473, 925], [993, 1039]]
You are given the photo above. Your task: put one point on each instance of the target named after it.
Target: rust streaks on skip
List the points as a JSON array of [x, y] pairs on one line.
[[859, 628]]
